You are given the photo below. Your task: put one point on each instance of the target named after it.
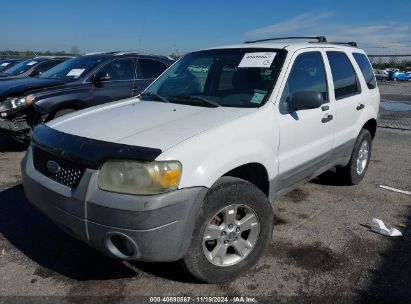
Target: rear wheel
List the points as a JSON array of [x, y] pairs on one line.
[[233, 229], [354, 172]]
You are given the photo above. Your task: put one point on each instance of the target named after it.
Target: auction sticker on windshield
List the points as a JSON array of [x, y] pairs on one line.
[[257, 60], [258, 96], [75, 72]]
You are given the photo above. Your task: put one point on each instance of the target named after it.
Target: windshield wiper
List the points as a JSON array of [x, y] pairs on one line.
[[159, 97], [203, 100]]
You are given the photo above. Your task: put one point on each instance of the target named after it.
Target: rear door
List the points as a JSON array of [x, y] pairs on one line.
[[347, 99], [306, 136], [120, 86], [148, 69]]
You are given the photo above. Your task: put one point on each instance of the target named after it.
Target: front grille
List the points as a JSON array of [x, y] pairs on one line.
[[69, 172]]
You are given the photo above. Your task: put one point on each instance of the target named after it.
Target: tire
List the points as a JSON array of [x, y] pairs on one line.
[[63, 112], [349, 174], [227, 192]]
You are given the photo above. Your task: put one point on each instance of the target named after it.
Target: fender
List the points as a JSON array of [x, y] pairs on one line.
[[53, 100], [370, 111]]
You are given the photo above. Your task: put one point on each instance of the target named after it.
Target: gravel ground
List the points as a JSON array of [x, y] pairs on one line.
[[322, 246]]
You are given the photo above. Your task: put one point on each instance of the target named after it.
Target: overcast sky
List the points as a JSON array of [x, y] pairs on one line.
[[166, 26]]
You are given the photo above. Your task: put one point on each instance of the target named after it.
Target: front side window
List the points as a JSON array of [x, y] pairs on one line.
[[122, 69], [73, 69], [226, 77], [344, 77], [307, 74], [151, 68], [366, 70]]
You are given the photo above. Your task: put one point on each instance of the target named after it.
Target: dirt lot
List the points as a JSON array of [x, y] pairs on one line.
[[321, 244]]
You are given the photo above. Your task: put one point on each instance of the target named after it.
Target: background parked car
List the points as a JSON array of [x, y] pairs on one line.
[[381, 75], [31, 67], [75, 84], [399, 76], [8, 63]]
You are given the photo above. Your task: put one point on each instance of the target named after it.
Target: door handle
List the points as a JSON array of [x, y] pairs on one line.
[[327, 119], [325, 108], [136, 89], [360, 107]]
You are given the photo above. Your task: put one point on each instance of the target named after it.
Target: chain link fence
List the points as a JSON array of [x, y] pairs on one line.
[[393, 73]]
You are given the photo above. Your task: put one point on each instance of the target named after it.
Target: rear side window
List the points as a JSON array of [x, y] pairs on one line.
[[344, 77], [307, 74], [151, 68], [366, 70]]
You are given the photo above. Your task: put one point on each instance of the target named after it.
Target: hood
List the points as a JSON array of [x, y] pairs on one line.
[[146, 123], [17, 87], [6, 76]]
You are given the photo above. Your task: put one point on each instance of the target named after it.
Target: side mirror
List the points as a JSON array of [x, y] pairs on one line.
[[304, 100], [34, 73], [101, 77]]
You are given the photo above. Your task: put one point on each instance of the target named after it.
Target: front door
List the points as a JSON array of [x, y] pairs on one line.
[[306, 136], [122, 74]]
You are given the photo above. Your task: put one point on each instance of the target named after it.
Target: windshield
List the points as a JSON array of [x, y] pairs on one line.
[[73, 69], [21, 67], [5, 64], [226, 77]]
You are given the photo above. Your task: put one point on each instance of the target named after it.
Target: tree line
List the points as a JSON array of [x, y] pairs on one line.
[[75, 51], [10, 53], [383, 62]]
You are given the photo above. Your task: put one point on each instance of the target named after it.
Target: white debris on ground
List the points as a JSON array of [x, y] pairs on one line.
[[379, 227]]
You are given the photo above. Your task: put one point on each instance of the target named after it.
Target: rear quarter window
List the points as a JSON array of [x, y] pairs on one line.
[[366, 70], [151, 68], [344, 77]]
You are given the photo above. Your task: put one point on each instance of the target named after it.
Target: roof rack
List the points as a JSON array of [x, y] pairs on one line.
[[126, 53], [350, 43], [318, 38], [101, 53]]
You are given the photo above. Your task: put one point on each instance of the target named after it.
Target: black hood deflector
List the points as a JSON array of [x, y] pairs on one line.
[[89, 152]]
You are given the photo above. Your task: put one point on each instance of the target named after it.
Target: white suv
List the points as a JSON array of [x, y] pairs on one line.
[[187, 170]]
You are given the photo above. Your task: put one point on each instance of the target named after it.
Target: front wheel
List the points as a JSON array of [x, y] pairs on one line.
[[354, 172], [63, 112], [233, 229]]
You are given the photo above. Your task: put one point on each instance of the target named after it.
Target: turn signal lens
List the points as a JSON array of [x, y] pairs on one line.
[[29, 99]]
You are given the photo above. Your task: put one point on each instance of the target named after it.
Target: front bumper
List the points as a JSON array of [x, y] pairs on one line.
[[14, 125], [147, 228]]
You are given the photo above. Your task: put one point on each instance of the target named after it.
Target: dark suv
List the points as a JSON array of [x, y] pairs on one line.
[[76, 84], [31, 67]]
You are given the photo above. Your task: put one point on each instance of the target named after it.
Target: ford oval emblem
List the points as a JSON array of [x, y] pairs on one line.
[[53, 167]]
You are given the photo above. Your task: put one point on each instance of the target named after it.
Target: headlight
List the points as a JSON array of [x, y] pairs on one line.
[[134, 177], [17, 102]]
